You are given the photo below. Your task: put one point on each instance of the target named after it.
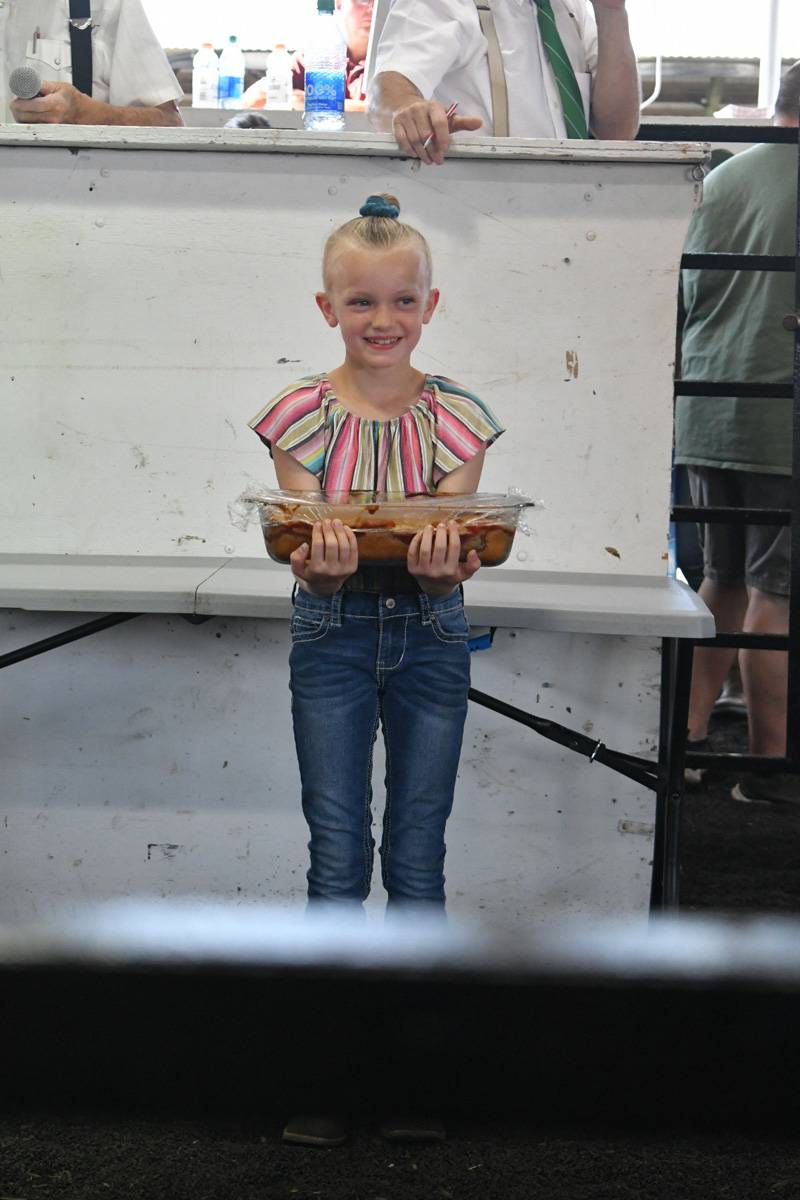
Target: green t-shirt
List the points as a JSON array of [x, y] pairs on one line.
[[734, 319]]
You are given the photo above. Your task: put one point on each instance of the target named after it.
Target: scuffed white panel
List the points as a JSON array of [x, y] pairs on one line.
[[156, 759], [159, 297]]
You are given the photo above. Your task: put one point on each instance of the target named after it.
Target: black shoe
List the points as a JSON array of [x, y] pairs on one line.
[[315, 1131], [761, 788], [413, 1129]]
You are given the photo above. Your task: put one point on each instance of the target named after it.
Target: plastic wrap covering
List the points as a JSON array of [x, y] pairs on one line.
[[384, 524]]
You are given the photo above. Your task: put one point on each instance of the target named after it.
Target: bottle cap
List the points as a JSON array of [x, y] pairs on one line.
[[280, 46], [207, 46], [325, 6], [232, 38]]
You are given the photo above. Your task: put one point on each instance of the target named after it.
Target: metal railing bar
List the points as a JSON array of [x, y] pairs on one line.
[[747, 641], [793, 691], [739, 762], [731, 516], [715, 132], [739, 262], [761, 391], [789, 644]]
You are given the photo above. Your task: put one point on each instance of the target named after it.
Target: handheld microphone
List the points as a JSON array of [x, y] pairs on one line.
[[25, 83]]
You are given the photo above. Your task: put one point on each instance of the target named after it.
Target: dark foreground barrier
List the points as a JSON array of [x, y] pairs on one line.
[[212, 1010]]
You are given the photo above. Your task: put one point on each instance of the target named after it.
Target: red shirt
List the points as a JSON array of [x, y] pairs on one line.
[[354, 76]]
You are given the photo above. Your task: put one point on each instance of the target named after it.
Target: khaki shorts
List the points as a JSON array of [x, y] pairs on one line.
[[755, 554]]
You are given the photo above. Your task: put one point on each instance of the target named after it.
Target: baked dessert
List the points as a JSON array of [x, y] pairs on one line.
[[384, 529]]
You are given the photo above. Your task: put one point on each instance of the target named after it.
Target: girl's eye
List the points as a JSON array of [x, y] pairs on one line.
[[360, 303], [407, 300]]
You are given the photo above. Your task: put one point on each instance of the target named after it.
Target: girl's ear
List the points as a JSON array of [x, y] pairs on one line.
[[326, 308], [430, 305]]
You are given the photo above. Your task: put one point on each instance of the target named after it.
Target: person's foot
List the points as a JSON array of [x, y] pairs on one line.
[[731, 698], [693, 776], [315, 1131], [761, 788], [413, 1129]]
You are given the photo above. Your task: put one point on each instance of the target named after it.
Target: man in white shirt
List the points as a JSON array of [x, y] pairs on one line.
[[433, 53], [132, 82]]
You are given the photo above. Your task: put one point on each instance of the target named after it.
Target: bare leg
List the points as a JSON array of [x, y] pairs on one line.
[[764, 675], [728, 603]]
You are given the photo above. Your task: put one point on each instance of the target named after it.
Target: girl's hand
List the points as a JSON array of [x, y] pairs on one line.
[[433, 559], [331, 558]]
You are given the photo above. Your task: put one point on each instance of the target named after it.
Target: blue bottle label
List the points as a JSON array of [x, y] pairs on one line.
[[325, 91], [230, 87]]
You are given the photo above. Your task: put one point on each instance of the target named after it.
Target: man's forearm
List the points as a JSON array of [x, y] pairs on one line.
[[616, 95], [389, 91], [96, 112]]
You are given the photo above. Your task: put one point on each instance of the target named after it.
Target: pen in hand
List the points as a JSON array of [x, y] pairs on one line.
[[450, 113]]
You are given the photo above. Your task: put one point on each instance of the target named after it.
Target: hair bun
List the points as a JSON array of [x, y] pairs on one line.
[[380, 206]]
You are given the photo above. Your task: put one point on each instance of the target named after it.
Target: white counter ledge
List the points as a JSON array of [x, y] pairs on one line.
[[292, 141], [552, 601]]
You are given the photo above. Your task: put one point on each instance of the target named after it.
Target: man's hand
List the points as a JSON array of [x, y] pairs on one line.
[[332, 557], [415, 121], [57, 104], [62, 104], [433, 559]]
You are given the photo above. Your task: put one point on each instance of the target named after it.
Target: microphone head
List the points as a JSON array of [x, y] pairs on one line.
[[25, 82]]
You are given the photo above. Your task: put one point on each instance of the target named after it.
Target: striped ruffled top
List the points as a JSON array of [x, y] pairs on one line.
[[411, 453]]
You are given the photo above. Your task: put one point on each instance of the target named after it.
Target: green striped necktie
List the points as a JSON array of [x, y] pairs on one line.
[[571, 100]]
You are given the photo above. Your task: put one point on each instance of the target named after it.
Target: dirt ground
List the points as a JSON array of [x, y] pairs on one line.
[[736, 858]]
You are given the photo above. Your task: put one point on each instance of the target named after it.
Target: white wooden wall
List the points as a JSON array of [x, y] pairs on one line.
[[158, 298], [153, 298], [156, 759]]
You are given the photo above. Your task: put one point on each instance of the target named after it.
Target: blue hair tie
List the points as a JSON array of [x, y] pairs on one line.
[[376, 206]]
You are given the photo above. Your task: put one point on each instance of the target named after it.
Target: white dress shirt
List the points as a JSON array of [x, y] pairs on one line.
[[128, 64], [438, 45]]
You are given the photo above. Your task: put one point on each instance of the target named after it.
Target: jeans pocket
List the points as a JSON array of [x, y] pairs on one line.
[[308, 629], [309, 622], [450, 624]]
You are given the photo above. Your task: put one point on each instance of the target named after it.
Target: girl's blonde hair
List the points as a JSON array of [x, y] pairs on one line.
[[377, 227]]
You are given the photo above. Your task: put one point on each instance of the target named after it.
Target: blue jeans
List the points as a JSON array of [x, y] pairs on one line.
[[360, 659]]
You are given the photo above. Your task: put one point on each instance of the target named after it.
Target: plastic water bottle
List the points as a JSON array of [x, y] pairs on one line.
[[231, 75], [205, 77], [279, 78], [326, 65]]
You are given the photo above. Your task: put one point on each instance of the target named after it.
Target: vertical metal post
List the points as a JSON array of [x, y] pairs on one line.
[[665, 754], [793, 700], [676, 682], [665, 727]]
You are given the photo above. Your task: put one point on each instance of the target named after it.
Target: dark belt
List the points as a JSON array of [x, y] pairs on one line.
[[394, 579]]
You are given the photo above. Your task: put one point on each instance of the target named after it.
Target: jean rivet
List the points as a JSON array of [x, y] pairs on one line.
[[390, 603]]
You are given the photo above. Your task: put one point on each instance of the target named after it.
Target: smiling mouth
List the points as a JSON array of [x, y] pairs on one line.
[[383, 342]]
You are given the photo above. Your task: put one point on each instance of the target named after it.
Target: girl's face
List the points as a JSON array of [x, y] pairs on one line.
[[380, 299]]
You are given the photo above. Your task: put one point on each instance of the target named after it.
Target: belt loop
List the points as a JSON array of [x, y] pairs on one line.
[[336, 608], [425, 608]]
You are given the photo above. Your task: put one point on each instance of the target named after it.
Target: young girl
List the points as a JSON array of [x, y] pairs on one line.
[[378, 645]]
